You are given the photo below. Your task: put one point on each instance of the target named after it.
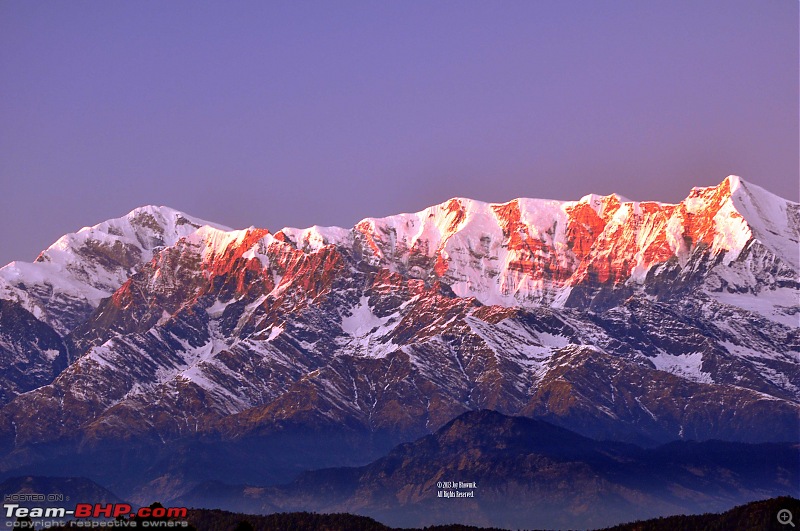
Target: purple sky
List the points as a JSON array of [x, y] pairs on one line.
[[301, 113]]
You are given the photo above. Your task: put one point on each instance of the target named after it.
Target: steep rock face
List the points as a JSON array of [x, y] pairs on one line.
[[31, 353], [635, 321]]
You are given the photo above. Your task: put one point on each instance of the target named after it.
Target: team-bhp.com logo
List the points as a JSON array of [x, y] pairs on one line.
[[116, 511]]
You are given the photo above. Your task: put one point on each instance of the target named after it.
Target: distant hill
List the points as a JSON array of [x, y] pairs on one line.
[[755, 516], [527, 473]]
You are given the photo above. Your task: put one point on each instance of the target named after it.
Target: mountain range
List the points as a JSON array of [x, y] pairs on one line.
[[157, 351]]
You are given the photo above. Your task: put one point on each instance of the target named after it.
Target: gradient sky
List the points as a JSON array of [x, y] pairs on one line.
[[299, 113]]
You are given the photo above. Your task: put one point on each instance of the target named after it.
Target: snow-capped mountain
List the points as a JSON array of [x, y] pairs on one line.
[[626, 320], [70, 278]]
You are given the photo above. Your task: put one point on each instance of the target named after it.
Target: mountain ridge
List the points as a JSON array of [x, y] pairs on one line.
[[634, 321], [732, 194]]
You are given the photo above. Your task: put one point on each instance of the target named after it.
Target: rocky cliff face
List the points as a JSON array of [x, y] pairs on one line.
[[31, 353], [628, 320]]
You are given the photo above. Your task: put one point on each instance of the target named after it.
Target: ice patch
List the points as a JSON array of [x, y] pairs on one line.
[[216, 309], [275, 332], [778, 305], [362, 320], [551, 340], [509, 338], [686, 366]]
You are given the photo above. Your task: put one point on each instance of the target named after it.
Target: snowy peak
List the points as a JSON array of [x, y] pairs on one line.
[[727, 216], [774, 221], [72, 276], [709, 216], [145, 229], [313, 238]]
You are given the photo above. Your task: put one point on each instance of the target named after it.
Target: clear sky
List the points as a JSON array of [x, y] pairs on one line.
[[296, 113]]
